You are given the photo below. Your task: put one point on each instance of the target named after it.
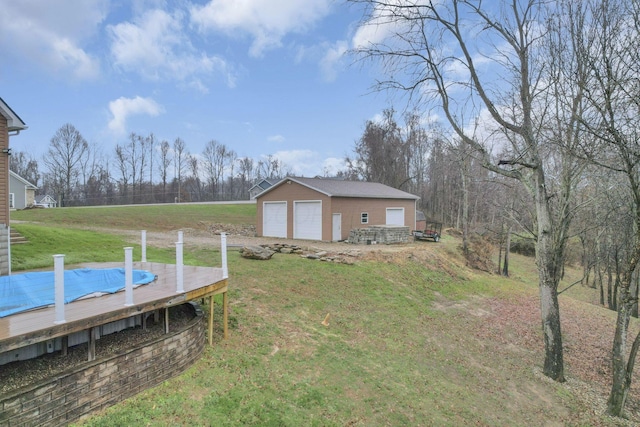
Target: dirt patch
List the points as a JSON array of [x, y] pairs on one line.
[[587, 333]]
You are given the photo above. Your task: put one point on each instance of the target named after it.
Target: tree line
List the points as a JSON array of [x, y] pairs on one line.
[[141, 170]]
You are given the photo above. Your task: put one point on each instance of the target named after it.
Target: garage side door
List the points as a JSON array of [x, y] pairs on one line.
[[395, 216], [274, 219], [307, 220]]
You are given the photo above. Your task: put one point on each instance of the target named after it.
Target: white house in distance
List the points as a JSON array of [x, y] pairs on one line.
[[45, 201], [21, 192]]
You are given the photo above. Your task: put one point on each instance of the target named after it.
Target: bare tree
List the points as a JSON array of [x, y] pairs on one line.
[[474, 62], [66, 152], [609, 45], [230, 164], [151, 145], [25, 165], [122, 164], [194, 167], [246, 166], [180, 155], [165, 163], [213, 156]]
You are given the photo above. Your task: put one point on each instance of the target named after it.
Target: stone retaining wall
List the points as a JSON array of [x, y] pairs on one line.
[[96, 385], [380, 234]]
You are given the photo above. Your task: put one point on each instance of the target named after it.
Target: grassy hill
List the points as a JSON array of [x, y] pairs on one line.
[[414, 338]]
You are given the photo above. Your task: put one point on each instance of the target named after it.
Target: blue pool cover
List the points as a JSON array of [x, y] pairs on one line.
[[22, 292]]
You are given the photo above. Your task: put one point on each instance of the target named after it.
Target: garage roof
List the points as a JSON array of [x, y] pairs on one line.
[[341, 188]]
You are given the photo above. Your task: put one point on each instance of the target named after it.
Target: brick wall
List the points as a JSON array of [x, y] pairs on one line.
[[382, 234], [101, 383]]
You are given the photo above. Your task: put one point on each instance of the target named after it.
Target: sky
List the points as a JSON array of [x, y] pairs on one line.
[[262, 77]]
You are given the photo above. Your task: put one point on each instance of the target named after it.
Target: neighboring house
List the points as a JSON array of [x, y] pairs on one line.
[[261, 185], [10, 124], [46, 201], [21, 192], [327, 209]]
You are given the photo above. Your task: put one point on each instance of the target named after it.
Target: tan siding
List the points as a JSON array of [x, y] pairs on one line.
[[288, 193], [4, 172], [350, 208]]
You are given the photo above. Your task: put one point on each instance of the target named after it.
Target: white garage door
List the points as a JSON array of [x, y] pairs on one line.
[[395, 216], [274, 219], [307, 220]]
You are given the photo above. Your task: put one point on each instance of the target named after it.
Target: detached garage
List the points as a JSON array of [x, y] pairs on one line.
[[327, 209]]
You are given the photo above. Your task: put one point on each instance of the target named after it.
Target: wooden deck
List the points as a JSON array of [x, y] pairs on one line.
[[22, 329]]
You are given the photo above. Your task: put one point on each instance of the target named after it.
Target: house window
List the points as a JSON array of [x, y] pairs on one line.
[[364, 218], [12, 203]]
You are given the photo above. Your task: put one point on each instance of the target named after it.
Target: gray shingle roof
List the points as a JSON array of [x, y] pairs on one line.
[[341, 188]]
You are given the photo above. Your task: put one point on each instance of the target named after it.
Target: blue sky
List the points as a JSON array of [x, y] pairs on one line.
[[259, 76]]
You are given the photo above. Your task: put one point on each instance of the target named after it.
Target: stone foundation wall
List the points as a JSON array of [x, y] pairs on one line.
[[96, 385], [380, 234]]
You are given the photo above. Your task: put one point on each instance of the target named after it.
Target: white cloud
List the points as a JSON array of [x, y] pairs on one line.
[[332, 58], [123, 107], [308, 163], [332, 165], [52, 33], [267, 22], [276, 138], [377, 29], [156, 46]]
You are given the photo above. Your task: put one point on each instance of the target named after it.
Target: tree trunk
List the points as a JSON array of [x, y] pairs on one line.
[[621, 379], [548, 255], [507, 250], [553, 361], [500, 251]]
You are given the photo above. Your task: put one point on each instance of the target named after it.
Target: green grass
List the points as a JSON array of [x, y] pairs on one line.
[[157, 217], [401, 347], [386, 358], [78, 246]]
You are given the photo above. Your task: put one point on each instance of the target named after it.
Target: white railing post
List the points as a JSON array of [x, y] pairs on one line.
[[58, 264], [128, 276], [9, 246], [144, 246], [179, 268], [223, 253]]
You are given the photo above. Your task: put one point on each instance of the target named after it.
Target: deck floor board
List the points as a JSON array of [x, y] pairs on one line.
[[38, 325]]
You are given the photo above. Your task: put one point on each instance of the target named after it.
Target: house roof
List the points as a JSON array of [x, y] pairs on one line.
[[46, 196], [341, 188], [265, 183], [14, 122], [22, 180]]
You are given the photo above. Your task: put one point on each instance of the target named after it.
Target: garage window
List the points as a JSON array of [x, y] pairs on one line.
[[364, 218]]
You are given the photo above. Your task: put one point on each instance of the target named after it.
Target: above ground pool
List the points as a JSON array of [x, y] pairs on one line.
[[26, 291]]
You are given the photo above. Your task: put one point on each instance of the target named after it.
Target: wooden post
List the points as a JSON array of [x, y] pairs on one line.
[[210, 329], [225, 314], [166, 320], [65, 345], [92, 344]]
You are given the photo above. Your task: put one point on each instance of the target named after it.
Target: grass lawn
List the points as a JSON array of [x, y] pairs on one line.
[[411, 341], [141, 217]]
